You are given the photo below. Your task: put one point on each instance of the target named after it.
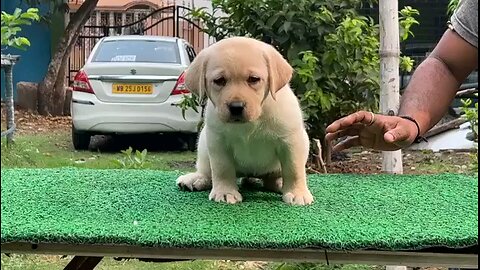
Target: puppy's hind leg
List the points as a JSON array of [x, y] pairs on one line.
[[273, 182], [202, 178]]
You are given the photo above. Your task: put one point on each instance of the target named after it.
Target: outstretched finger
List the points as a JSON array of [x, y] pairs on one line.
[[354, 130], [361, 117], [347, 143]]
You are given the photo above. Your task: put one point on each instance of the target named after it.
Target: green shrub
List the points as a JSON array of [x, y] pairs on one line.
[[471, 114], [132, 160], [333, 49], [11, 27]]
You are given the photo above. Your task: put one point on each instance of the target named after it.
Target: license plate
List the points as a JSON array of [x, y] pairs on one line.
[[140, 89]]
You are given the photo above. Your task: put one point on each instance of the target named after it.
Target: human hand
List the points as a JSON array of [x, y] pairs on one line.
[[379, 132]]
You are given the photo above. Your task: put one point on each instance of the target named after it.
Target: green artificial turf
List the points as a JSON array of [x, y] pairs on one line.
[[145, 208]]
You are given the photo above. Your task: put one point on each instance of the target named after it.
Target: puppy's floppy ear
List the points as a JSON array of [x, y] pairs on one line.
[[279, 70], [195, 79]]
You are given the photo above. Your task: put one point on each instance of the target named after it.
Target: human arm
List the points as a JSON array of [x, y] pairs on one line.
[[432, 88], [435, 82]]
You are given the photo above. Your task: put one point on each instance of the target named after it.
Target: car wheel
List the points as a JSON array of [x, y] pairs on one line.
[[80, 140], [192, 142]]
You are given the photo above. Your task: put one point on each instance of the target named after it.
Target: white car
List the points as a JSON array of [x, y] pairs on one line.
[[130, 84]]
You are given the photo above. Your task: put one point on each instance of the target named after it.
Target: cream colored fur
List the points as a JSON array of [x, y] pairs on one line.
[[270, 143]]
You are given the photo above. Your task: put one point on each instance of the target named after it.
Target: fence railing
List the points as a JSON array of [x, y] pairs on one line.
[[170, 21]]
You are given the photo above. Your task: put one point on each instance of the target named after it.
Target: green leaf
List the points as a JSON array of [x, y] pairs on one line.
[[17, 13], [286, 26], [32, 10], [13, 30], [11, 26], [120, 163], [272, 20], [290, 15], [23, 41], [128, 151], [30, 16]]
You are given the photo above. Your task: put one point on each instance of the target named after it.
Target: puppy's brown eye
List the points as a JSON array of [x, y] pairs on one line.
[[220, 81], [253, 80]]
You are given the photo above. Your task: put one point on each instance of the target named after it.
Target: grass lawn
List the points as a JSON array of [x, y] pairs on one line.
[[54, 149], [35, 262]]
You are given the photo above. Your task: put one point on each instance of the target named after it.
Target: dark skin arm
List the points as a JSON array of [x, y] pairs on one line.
[[437, 79], [431, 90]]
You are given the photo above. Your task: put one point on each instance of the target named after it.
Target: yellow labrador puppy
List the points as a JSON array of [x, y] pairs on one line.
[[253, 122]]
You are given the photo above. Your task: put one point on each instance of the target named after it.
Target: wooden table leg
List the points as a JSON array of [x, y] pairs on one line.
[[83, 263]]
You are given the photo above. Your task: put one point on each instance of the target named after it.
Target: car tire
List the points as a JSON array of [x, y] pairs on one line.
[[192, 142], [80, 140]]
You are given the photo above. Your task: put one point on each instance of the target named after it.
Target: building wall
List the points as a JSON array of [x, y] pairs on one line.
[[34, 61]]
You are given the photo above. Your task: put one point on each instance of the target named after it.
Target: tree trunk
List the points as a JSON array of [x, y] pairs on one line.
[[59, 88], [389, 75], [51, 91], [389, 82]]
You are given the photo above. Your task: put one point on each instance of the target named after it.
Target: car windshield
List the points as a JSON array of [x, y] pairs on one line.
[[145, 51]]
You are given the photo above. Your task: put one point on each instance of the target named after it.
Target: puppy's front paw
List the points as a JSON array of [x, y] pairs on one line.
[[298, 197], [230, 196], [194, 182]]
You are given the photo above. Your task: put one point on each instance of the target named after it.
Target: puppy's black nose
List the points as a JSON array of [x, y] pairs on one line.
[[236, 108]]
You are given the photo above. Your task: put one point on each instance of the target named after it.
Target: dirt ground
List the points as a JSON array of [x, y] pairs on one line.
[[352, 161], [29, 123]]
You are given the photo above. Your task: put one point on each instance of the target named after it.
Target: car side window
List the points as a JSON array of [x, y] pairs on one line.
[[190, 52]]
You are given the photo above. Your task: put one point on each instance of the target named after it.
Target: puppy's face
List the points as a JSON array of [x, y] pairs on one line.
[[237, 75], [237, 82]]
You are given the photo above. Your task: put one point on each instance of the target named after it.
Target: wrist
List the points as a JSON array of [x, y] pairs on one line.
[[415, 130], [422, 119]]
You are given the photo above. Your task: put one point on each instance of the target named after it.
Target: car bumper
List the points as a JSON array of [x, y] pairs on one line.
[[92, 115]]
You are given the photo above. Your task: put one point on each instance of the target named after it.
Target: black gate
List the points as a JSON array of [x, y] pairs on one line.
[[169, 21]]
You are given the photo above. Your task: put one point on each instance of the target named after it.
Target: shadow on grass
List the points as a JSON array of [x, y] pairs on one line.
[[151, 142]]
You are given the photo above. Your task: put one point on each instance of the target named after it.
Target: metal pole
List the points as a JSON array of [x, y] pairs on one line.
[[177, 20], [10, 108]]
